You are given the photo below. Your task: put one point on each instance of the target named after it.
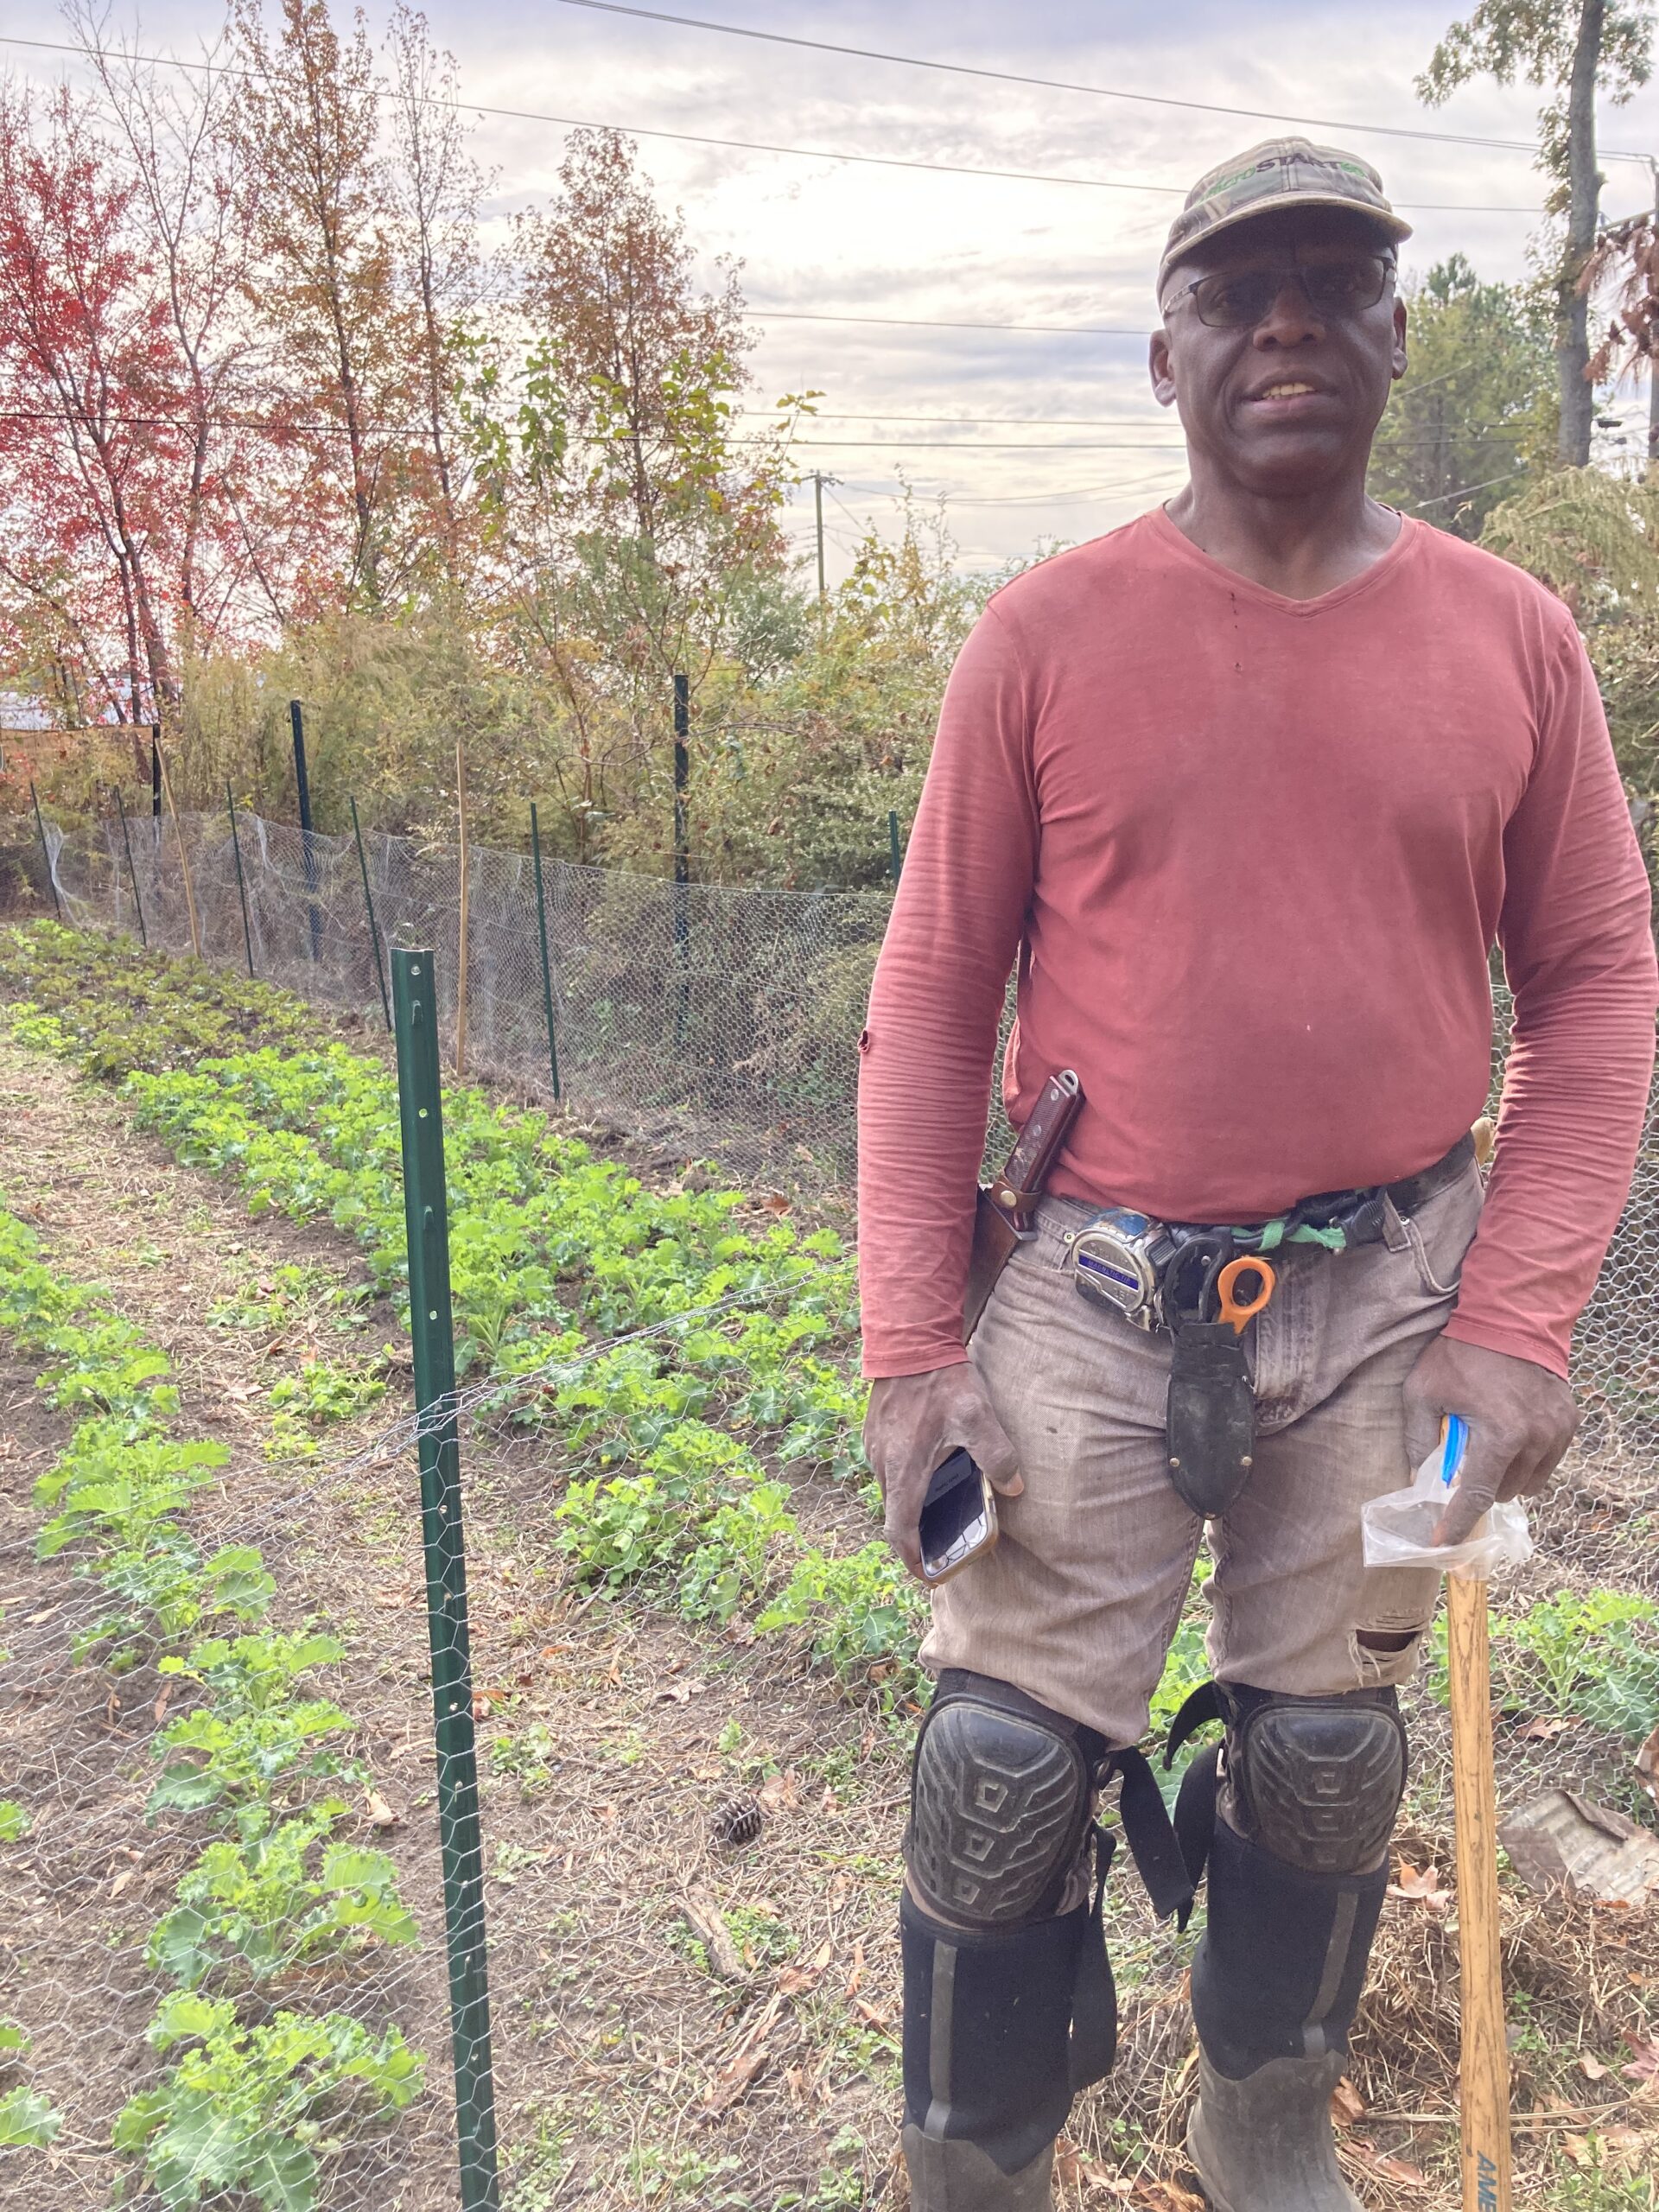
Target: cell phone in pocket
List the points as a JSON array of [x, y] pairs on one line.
[[958, 1522]]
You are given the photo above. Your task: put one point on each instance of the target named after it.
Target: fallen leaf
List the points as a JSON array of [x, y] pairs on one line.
[[1346, 2104], [775, 1202], [779, 1791], [1068, 2166], [1167, 2197], [121, 1881], [1401, 2170], [732, 2081], [1421, 1888], [163, 1699], [1404, 2173], [1542, 1730], [855, 1979], [1647, 1765], [1591, 2068], [1577, 2148], [1645, 2066], [381, 1814]]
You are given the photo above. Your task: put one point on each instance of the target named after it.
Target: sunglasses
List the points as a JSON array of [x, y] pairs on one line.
[[1239, 299]]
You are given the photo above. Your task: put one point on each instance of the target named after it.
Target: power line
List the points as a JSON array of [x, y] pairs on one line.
[[740, 145], [1063, 84], [1464, 491], [925, 322], [1456, 431]]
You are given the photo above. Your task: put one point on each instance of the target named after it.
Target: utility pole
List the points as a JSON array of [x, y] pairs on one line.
[[819, 479], [818, 513], [1653, 360]]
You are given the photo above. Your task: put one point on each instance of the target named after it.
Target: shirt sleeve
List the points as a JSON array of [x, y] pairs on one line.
[[927, 1053], [1576, 934]]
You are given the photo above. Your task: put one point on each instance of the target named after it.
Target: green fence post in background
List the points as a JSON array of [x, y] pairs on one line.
[[895, 855], [302, 799], [432, 1325], [241, 887], [547, 968], [368, 900], [46, 852], [132, 872], [682, 849]]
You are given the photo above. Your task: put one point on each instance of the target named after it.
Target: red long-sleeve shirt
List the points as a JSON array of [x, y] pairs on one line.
[[1251, 854]]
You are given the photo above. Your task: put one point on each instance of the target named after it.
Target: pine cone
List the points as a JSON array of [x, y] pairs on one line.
[[736, 1820]]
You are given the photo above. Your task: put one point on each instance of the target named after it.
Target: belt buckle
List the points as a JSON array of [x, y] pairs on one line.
[[1113, 1266]]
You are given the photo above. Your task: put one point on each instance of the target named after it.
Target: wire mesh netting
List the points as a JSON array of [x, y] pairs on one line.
[[710, 1019], [703, 1017]]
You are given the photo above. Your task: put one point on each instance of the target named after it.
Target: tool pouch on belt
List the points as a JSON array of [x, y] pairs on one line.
[[1210, 1419], [1002, 1214]]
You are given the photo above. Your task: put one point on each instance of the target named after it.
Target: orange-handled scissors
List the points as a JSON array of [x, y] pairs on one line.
[[1227, 1284]]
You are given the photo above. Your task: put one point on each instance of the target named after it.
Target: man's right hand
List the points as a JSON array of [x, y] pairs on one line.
[[914, 1425]]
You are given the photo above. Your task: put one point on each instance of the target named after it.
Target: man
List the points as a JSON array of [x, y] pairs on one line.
[[1251, 787]]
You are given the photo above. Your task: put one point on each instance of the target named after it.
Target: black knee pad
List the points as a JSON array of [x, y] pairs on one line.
[[1298, 1864], [1315, 1781], [999, 1804], [1009, 2006]]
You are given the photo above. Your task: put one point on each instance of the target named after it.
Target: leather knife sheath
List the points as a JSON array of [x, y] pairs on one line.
[[1002, 1212]]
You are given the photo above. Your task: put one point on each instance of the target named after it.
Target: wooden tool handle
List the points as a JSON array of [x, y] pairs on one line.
[[1485, 2073]]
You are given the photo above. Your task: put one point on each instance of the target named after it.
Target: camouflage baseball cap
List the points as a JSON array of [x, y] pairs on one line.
[[1279, 172]]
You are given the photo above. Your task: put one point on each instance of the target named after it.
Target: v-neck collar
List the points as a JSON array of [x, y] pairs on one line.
[[1404, 546]]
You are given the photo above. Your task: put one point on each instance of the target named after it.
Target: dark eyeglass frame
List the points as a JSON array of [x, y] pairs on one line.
[[1275, 279]]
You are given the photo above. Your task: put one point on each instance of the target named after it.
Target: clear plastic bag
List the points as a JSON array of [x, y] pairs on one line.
[[1398, 1529]]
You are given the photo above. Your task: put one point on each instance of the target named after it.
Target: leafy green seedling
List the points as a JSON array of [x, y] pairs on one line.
[[246, 2109], [252, 1910]]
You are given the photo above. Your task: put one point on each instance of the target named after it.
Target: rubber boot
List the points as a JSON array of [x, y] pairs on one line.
[[1265, 2143], [958, 2177]]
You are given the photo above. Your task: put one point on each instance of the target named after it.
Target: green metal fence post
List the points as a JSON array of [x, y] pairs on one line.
[[45, 853], [547, 969], [241, 887], [132, 872], [368, 900], [895, 855], [431, 1322], [681, 852]]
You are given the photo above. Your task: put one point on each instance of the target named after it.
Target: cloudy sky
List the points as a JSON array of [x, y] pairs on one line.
[[1044, 433]]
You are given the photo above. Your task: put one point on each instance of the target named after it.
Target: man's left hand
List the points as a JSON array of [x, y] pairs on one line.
[[1520, 1419]]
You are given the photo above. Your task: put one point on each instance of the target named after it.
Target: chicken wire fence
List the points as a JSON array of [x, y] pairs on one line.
[[691, 1015], [698, 1017]]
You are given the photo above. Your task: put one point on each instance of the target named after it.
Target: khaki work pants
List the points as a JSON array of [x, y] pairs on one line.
[[1080, 1599]]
